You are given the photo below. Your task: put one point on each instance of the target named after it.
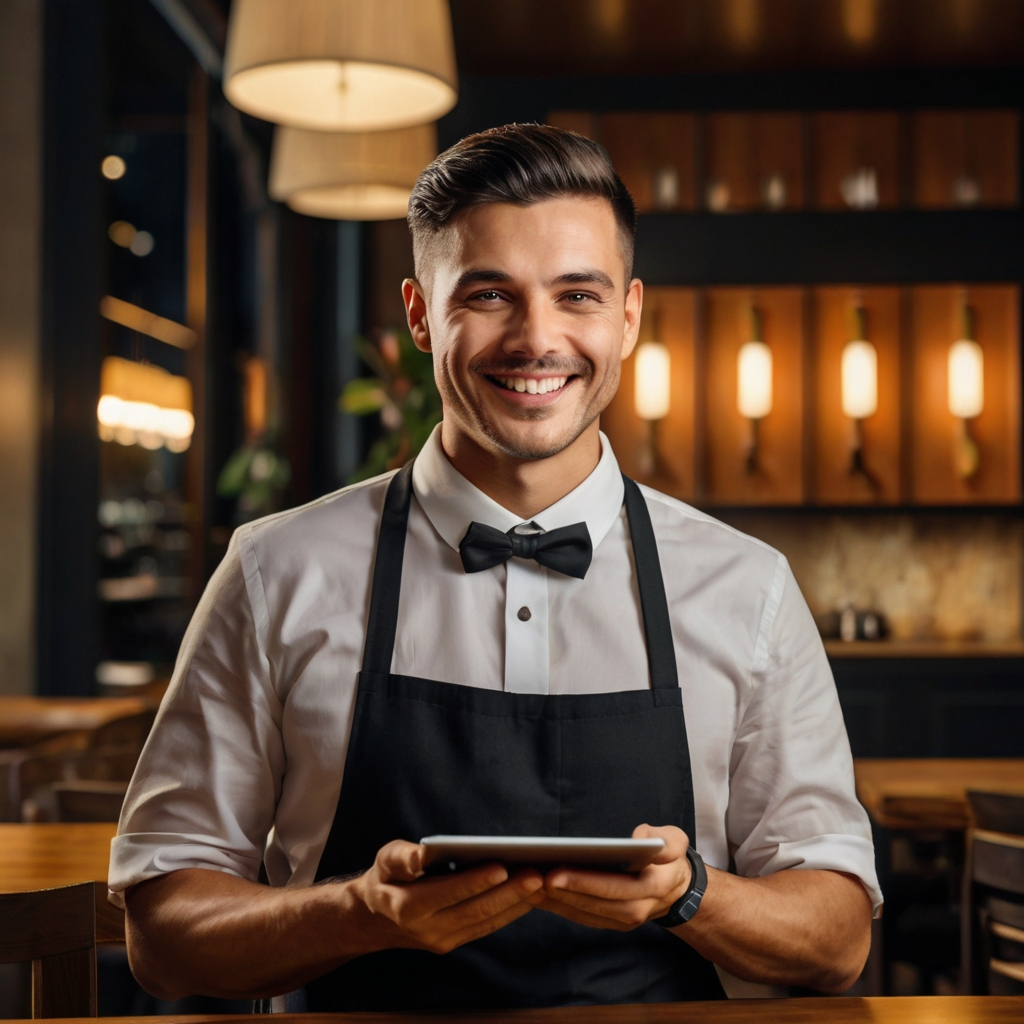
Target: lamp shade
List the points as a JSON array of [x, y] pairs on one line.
[[754, 380], [653, 381], [860, 379], [341, 65], [349, 175], [966, 371]]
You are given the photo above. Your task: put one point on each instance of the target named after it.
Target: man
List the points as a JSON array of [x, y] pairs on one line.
[[545, 649]]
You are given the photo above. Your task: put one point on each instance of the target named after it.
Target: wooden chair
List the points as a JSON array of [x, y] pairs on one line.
[[993, 946], [87, 800], [57, 931], [997, 812]]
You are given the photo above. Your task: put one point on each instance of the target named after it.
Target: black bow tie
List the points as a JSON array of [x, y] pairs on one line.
[[566, 550]]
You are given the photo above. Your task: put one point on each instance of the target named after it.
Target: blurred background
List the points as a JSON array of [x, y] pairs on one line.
[[201, 248]]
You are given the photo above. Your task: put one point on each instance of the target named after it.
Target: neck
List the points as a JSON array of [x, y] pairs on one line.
[[523, 486]]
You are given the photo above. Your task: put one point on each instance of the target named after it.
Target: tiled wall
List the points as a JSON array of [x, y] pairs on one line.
[[934, 577]]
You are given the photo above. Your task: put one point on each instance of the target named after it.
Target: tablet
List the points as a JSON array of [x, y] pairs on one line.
[[452, 853]]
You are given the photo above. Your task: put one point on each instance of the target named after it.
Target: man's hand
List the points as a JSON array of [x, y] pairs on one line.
[[602, 899], [200, 932], [440, 914]]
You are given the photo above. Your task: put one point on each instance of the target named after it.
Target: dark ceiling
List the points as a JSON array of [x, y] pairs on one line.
[[605, 37]]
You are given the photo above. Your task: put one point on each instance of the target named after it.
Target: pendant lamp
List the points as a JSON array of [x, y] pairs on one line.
[[341, 65], [349, 175]]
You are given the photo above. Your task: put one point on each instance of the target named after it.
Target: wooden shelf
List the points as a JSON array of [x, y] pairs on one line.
[[924, 649]]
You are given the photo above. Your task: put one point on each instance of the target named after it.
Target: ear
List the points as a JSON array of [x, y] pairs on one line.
[[631, 327], [416, 313]]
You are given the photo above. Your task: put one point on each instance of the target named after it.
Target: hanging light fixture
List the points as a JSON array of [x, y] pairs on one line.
[[859, 371], [754, 384], [966, 392], [144, 404], [349, 175], [341, 65]]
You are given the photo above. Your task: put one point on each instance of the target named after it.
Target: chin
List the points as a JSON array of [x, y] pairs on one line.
[[532, 444]]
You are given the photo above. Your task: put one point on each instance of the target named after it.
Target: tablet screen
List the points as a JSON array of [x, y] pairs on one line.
[[452, 853]]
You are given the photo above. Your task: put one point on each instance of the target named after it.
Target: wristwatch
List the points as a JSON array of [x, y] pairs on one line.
[[689, 903]]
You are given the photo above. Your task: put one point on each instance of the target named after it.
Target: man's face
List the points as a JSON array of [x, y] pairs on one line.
[[528, 317]]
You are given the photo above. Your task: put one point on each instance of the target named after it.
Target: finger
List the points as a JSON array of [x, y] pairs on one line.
[[582, 917], [429, 896], [654, 882], [629, 912], [489, 925], [400, 861], [471, 912], [676, 841]]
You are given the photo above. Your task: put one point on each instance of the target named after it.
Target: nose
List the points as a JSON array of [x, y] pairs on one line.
[[534, 332]]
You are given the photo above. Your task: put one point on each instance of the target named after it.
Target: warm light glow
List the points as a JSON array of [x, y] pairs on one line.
[[113, 167], [135, 318], [341, 65], [754, 380], [653, 380], [145, 405], [349, 175], [966, 379], [860, 380]]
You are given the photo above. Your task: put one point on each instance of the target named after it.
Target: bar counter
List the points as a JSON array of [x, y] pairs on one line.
[[889, 1010]]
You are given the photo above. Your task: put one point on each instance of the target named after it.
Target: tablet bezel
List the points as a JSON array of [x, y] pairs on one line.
[[447, 853]]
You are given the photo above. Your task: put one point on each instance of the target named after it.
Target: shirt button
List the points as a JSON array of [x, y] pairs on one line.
[[524, 614]]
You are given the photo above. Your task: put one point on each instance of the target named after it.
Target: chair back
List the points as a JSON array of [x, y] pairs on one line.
[[997, 812], [89, 800], [55, 930], [994, 943]]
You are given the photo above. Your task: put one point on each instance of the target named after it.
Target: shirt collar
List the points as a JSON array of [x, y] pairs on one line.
[[451, 502]]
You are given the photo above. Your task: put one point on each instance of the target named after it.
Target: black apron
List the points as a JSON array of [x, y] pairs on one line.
[[428, 757]]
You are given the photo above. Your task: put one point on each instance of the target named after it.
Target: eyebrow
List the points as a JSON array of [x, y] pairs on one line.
[[574, 277]]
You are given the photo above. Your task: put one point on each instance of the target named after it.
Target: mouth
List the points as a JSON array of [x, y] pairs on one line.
[[530, 389]]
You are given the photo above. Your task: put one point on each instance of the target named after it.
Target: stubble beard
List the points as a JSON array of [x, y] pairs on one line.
[[510, 445]]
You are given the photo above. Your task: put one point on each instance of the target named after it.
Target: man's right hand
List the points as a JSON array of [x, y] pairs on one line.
[[203, 932], [408, 910]]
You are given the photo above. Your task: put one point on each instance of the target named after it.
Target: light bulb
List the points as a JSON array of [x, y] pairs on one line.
[[653, 381], [860, 380], [754, 380], [966, 375]]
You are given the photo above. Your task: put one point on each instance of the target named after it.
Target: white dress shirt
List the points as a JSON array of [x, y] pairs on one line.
[[246, 758]]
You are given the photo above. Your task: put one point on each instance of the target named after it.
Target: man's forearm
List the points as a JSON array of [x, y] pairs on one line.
[[197, 931], [808, 928]]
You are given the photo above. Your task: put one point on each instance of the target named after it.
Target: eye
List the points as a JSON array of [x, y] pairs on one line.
[[488, 296], [576, 298]]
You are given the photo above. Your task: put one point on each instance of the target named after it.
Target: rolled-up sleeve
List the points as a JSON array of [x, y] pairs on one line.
[[793, 802], [205, 788]]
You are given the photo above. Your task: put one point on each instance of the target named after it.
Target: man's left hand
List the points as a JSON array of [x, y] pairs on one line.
[[602, 899]]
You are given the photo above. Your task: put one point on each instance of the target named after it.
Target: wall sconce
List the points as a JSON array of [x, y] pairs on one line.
[[651, 396], [966, 393], [754, 384], [859, 385]]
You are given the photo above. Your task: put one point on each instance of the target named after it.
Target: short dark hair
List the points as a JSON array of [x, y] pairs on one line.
[[520, 164]]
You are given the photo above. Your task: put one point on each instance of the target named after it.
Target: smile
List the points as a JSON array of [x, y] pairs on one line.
[[531, 385]]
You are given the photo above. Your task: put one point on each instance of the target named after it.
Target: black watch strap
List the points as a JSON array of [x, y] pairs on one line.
[[689, 903]]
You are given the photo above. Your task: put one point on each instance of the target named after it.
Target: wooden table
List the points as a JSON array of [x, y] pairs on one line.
[[47, 855], [916, 1010], [25, 720], [931, 793]]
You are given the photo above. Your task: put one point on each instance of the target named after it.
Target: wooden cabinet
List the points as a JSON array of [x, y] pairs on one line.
[[855, 160], [804, 444]]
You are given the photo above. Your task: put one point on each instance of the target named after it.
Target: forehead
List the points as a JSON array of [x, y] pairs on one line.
[[548, 238]]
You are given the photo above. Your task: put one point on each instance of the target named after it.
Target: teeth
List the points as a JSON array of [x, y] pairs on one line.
[[532, 386]]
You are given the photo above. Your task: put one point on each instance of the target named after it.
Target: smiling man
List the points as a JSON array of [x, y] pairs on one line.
[[506, 637]]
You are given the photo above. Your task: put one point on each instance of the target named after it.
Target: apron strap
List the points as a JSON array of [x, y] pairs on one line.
[[661, 651], [387, 574]]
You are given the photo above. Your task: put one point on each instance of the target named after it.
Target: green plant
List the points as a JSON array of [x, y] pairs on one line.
[[403, 392], [256, 475]]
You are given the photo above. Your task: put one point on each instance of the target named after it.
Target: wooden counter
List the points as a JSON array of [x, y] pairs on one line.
[[924, 649], [25, 720], [915, 1010], [931, 793]]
